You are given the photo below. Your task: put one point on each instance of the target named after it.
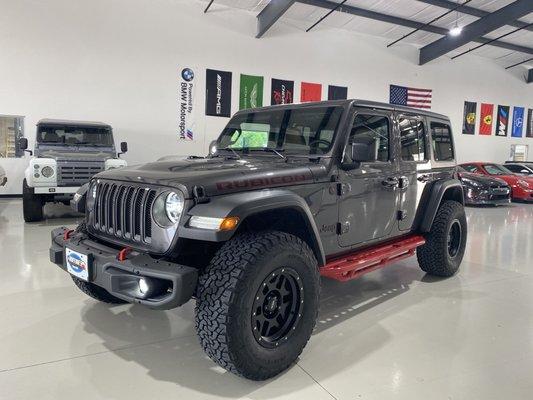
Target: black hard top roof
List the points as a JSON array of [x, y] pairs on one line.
[[66, 122], [355, 102]]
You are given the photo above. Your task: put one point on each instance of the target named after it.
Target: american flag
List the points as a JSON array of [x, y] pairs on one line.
[[411, 97]]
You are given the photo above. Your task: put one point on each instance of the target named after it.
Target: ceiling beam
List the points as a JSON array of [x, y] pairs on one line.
[[270, 14], [361, 12], [476, 12], [530, 76], [476, 30]]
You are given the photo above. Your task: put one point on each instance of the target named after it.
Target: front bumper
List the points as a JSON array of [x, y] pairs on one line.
[[176, 282]]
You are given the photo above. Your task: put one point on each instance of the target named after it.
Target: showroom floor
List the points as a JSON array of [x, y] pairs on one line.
[[395, 333]]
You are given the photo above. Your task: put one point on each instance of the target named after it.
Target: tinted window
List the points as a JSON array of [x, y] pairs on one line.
[[441, 141], [470, 168], [513, 168], [297, 131], [412, 139], [372, 130]]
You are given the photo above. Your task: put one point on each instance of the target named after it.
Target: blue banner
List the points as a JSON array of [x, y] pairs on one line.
[[518, 121]]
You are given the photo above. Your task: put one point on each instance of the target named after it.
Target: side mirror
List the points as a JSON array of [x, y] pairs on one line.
[[361, 152], [123, 148], [23, 145], [213, 148]]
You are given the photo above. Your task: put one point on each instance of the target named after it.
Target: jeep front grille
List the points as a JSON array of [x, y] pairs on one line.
[[78, 172], [124, 211]]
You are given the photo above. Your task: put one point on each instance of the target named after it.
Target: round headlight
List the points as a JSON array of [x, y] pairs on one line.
[[47, 172], [174, 206]]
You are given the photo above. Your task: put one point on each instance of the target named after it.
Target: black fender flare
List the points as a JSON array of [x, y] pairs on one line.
[[243, 205], [449, 189]]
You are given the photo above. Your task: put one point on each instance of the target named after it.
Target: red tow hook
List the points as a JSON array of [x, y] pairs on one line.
[[67, 234], [123, 254]]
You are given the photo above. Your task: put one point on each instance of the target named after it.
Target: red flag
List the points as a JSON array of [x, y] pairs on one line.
[[485, 122], [310, 92]]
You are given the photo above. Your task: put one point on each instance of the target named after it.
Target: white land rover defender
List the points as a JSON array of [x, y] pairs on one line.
[[66, 155]]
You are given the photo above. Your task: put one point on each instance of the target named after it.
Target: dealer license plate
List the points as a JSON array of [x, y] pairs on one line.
[[77, 264]]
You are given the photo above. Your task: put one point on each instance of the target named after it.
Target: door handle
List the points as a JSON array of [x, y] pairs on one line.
[[424, 178], [392, 182]]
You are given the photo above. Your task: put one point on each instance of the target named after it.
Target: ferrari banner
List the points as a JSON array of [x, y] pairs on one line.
[[502, 121], [282, 92], [310, 92], [518, 122], [218, 93], [251, 92], [186, 99], [469, 118], [529, 131], [337, 92], [485, 121]]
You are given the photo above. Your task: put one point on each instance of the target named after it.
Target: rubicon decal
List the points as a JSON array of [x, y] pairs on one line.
[[262, 182]]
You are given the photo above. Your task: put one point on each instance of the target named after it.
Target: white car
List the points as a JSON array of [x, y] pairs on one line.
[[66, 155]]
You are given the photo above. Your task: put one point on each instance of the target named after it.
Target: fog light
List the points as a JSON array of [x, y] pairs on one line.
[[144, 286]]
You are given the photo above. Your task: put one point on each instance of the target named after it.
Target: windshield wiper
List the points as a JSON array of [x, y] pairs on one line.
[[270, 149], [230, 149]]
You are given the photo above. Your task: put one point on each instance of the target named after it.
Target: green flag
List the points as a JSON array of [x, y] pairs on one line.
[[251, 92]]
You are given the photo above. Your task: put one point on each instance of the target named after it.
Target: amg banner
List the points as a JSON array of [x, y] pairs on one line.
[[518, 122], [469, 118], [485, 121], [282, 92], [337, 92], [529, 131], [218, 93], [251, 92], [502, 122], [186, 96], [310, 92]]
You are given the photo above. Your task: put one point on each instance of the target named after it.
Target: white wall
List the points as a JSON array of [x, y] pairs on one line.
[[117, 61]]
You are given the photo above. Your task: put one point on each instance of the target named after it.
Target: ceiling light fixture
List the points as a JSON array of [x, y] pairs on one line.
[[456, 30]]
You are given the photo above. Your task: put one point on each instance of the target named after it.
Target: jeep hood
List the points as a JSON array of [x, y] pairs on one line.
[[219, 175]]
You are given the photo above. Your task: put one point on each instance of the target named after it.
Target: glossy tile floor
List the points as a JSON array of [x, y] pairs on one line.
[[393, 334]]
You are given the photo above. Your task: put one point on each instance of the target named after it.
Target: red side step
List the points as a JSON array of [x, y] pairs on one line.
[[353, 265]]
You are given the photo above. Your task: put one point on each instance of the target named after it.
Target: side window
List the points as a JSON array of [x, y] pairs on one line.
[[374, 131], [412, 139], [470, 168], [441, 141]]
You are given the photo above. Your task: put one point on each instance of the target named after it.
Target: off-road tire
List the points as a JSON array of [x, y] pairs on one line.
[[433, 256], [32, 205], [226, 293], [96, 292]]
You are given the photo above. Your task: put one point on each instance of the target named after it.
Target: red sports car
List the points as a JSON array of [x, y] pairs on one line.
[[521, 186]]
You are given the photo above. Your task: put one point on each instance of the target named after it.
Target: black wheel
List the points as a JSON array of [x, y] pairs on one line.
[[445, 245], [96, 292], [257, 303], [32, 205]]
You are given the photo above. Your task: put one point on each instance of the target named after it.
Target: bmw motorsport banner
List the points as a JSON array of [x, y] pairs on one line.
[[485, 122], [518, 122], [251, 92], [502, 121], [469, 118], [282, 92], [186, 99], [218, 93], [529, 131]]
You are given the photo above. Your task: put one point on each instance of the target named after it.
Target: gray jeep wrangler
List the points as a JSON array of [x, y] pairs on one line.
[[66, 155], [287, 194]]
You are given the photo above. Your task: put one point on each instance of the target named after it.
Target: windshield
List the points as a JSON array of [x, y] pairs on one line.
[[75, 136], [302, 131], [494, 169]]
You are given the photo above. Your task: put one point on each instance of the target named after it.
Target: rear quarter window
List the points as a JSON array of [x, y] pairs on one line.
[[441, 142]]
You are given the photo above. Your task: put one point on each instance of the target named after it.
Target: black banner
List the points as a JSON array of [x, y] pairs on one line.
[[218, 93], [337, 92], [502, 122], [282, 92], [469, 118], [529, 130]]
